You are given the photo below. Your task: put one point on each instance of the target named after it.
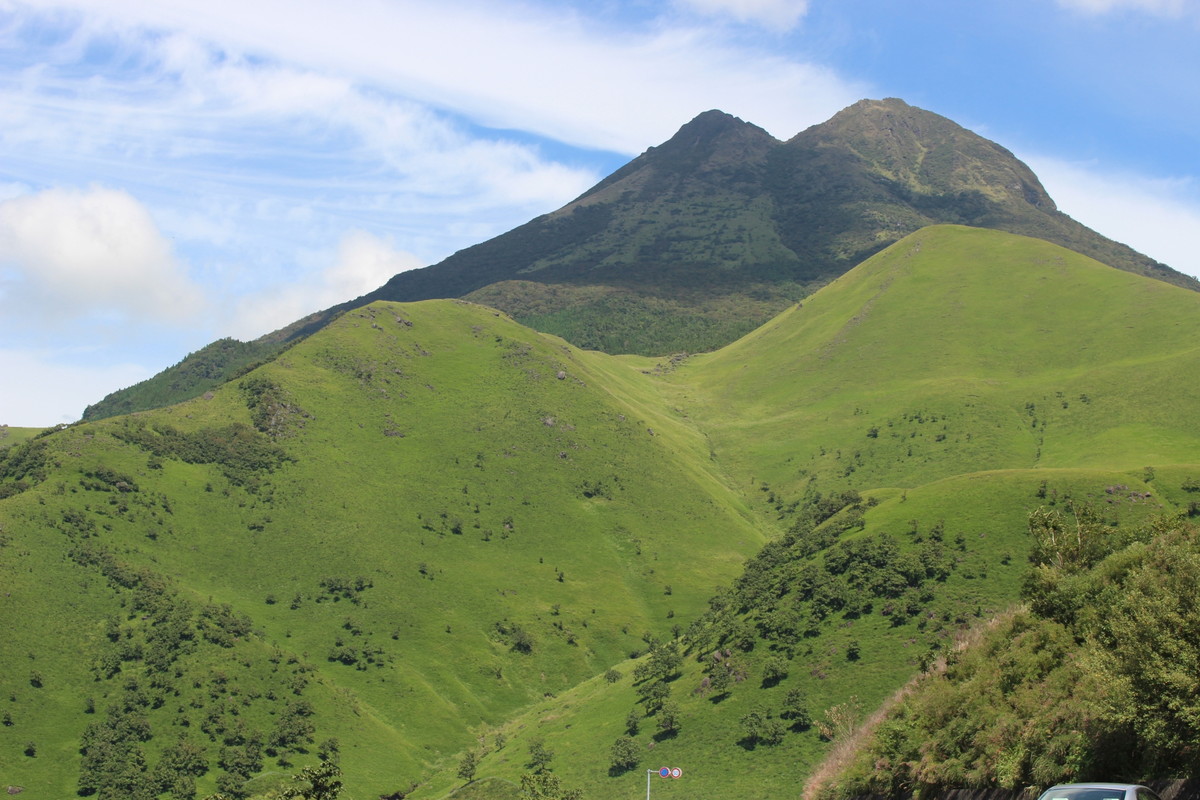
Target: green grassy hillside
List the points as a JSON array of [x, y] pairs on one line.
[[427, 516], [427, 531], [197, 373], [958, 350]]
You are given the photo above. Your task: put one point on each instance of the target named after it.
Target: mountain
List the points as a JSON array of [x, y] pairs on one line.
[[426, 530], [702, 239]]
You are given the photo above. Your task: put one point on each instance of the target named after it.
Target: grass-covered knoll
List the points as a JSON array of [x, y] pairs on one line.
[[953, 351], [10, 435], [402, 530]]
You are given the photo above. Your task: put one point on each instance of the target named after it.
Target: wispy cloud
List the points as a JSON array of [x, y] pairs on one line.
[[1168, 8], [779, 15], [532, 67]]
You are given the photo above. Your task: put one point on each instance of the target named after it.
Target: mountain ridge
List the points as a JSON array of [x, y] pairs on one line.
[[701, 239]]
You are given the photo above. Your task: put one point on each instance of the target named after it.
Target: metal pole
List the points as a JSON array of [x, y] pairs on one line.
[[648, 773]]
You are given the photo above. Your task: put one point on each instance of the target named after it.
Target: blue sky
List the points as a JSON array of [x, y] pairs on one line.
[[175, 171]]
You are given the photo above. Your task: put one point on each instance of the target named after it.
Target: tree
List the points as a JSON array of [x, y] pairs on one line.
[[772, 732], [775, 669], [662, 663], [633, 721], [752, 725], [668, 720], [546, 786], [654, 695], [625, 755], [539, 755], [795, 709], [322, 782], [329, 750], [468, 765]]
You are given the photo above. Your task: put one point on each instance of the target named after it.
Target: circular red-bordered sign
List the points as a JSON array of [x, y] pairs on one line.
[[676, 772], [665, 772]]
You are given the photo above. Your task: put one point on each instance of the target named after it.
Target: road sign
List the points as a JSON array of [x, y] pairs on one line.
[[665, 772], [676, 772]]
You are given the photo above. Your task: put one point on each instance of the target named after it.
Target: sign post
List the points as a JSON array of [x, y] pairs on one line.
[[663, 772]]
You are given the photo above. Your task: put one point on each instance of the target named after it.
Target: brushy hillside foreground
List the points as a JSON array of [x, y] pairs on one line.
[[424, 541], [1097, 677]]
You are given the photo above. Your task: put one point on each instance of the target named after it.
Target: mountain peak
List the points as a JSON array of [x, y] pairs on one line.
[[926, 153], [714, 145], [711, 124], [713, 134]]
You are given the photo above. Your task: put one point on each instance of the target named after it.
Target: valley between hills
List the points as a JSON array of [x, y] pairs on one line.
[[454, 555]]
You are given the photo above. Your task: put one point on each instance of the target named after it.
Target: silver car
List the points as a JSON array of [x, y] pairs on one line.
[[1098, 791]]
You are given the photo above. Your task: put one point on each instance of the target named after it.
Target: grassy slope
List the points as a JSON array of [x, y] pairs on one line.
[[416, 422], [10, 435], [1019, 353], [1038, 376]]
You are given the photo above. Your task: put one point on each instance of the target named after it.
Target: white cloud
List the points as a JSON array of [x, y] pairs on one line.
[[530, 67], [364, 262], [1156, 216], [255, 134], [1168, 8], [55, 387], [78, 253], [781, 15]]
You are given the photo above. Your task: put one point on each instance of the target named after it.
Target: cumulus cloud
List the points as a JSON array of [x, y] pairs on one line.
[[363, 262], [1156, 216], [94, 252], [779, 15]]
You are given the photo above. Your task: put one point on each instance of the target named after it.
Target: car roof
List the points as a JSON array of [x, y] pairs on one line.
[[1096, 785]]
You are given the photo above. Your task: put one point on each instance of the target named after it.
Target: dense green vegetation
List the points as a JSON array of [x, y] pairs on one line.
[[446, 553], [1094, 680], [197, 373]]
